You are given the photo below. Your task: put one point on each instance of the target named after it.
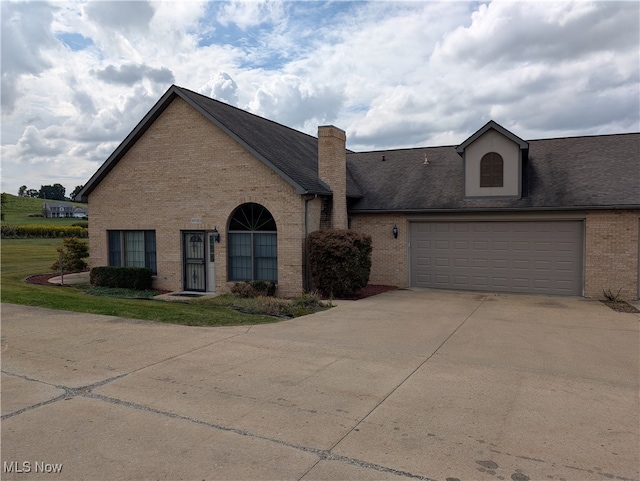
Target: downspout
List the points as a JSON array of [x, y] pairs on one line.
[[307, 273]]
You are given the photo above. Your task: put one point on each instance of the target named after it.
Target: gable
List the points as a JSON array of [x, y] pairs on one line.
[[484, 150], [182, 156], [289, 153]]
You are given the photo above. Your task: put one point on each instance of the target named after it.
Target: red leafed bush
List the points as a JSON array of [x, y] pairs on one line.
[[339, 260]]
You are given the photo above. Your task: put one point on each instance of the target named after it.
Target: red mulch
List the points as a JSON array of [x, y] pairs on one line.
[[44, 278], [368, 291]]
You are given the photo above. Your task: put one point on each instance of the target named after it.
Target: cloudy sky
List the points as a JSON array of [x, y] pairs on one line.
[[78, 76]]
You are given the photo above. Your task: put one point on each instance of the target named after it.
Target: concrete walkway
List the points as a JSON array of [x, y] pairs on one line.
[[405, 385], [68, 279]]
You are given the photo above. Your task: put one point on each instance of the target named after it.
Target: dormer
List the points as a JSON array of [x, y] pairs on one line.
[[493, 159]]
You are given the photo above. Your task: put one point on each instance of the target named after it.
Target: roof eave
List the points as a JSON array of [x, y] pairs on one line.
[[492, 125], [127, 143], [300, 189], [496, 209]]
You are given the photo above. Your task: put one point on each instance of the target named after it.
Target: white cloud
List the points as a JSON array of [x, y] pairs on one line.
[[26, 43], [221, 87], [247, 14], [393, 74]]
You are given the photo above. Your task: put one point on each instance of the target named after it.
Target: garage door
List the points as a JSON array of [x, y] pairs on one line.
[[529, 257]]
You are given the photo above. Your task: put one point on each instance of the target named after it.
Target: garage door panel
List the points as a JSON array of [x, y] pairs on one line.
[[462, 245], [542, 247], [461, 262], [521, 265], [521, 283], [564, 247], [480, 245], [442, 262], [536, 257], [461, 281], [500, 282], [424, 261]]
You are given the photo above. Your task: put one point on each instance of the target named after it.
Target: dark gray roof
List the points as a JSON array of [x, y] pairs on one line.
[[566, 173], [290, 153], [293, 154]]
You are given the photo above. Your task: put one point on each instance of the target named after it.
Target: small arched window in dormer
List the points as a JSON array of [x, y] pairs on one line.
[[491, 170]]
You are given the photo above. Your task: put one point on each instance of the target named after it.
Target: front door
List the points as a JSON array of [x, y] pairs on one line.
[[194, 248]]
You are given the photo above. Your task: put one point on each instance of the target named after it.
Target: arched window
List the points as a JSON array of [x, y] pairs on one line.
[[253, 244], [491, 170]]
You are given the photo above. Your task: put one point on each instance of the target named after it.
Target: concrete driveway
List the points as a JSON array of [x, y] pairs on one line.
[[409, 384]]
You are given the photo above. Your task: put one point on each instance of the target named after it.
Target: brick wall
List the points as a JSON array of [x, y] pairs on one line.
[[332, 169], [185, 168], [389, 255], [612, 253]]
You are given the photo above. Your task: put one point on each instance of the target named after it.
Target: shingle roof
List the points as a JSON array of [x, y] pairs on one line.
[[293, 154], [566, 173], [575, 172]]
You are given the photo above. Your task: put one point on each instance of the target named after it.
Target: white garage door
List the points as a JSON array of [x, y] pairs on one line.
[[529, 257]]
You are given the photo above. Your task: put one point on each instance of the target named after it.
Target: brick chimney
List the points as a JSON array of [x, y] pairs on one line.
[[332, 169]]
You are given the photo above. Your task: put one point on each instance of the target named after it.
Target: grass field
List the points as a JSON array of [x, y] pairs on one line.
[[18, 209], [22, 258]]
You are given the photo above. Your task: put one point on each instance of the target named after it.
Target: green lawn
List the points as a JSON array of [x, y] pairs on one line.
[[18, 209], [22, 258]]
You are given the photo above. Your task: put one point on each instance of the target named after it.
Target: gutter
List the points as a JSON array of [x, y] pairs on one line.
[[495, 209]]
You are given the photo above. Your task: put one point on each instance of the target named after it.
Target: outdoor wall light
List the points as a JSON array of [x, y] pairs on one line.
[[216, 235], [395, 231]]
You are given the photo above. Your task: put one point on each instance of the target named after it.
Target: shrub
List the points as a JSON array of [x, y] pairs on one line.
[[307, 304], [71, 255], [254, 289], [138, 278], [264, 288], [339, 260], [243, 289], [83, 224]]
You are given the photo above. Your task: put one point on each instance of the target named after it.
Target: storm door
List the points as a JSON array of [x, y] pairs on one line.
[[194, 249]]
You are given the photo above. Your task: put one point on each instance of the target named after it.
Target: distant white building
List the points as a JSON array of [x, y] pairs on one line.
[[64, 210]]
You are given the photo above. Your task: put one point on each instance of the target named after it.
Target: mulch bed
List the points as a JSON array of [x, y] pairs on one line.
[[368, 291], [43, 279], [620, 306]]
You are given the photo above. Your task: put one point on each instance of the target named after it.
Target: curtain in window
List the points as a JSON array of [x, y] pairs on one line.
[[134, 248]]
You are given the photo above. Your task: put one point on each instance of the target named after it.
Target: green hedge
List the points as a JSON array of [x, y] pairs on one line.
[[138, 278], [339, 260], [43, 231]]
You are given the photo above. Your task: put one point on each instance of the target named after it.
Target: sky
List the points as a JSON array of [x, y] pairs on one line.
[[78, 76]]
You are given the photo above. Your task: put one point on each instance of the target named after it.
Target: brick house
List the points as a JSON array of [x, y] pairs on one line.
[[222, 195]]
